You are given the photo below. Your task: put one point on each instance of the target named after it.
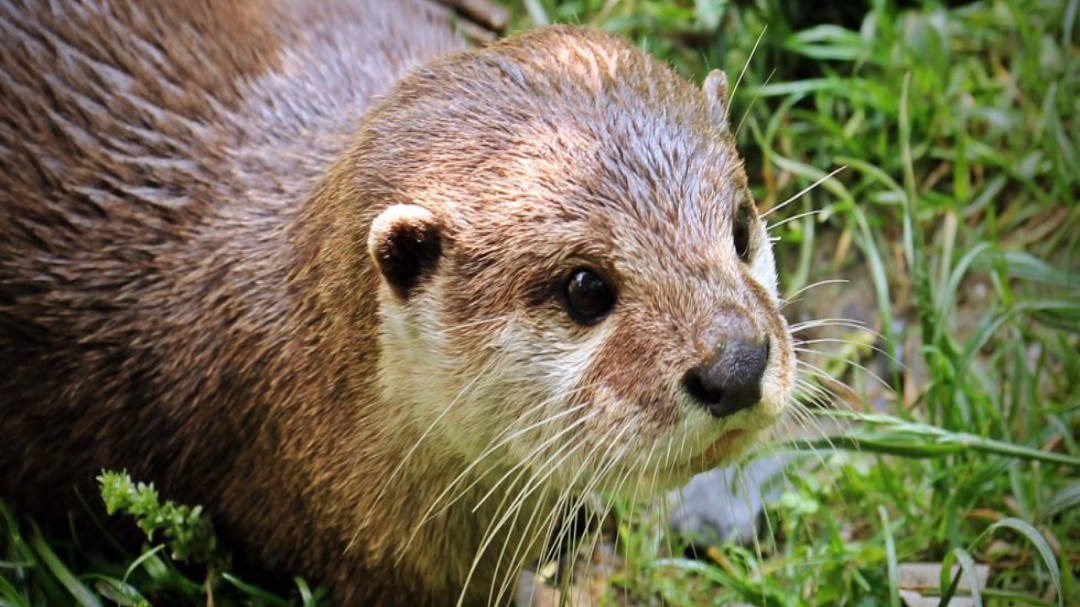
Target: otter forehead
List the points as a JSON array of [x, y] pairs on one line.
[[567, 146], [552, 111], [576, 148], [647, 215], [630, 195]]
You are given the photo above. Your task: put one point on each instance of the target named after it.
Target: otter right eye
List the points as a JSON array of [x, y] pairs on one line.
[[740, 233], [588, 297]]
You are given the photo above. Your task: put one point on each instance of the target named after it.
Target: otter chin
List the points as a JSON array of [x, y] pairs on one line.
[[388, 308]]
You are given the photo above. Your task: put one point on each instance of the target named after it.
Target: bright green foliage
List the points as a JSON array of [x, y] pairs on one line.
[[187, 532], [35, 571]]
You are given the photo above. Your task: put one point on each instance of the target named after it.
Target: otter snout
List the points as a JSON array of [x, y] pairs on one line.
[[730, 378]]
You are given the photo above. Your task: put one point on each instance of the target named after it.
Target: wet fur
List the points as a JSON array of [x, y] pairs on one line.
[[187, 292]]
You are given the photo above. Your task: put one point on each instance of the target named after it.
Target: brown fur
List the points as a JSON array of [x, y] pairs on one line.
[[186, 290]]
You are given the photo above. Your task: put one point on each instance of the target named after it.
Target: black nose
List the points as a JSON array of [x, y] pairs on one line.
[[730, 380]]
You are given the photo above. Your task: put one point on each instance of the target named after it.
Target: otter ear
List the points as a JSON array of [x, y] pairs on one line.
[[716, 90], [405, 243]]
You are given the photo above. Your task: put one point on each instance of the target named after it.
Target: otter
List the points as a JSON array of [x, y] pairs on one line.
[[386, 306]]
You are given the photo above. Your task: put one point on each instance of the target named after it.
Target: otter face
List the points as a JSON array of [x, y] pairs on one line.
[[601, 310]]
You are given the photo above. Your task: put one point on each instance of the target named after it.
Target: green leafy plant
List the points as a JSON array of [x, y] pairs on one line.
[[38, 570], [187, 531]]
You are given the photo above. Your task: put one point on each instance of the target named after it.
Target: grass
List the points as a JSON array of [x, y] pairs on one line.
[[955, 219], [182, 562]]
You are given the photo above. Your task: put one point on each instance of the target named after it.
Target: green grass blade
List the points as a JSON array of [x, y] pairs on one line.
[[752, 592], [1045, 552], [913, 439], [144, 557], [890, 554], [1063, 500], [967, 570], [255, 591], [10, 596], [82, 594]]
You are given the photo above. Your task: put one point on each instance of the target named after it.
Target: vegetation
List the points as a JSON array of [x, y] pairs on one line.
[[953, 216], [182, 563]]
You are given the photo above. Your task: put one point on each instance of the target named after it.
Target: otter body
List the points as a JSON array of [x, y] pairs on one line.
[[386, 334]]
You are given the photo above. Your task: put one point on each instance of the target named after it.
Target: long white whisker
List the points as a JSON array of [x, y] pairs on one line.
[[412, 450], [868, 372], [430, 513], [549, 469], [534, 452], [828, 281], [753, 101], [801, 193], [772, 227], [749, 58]]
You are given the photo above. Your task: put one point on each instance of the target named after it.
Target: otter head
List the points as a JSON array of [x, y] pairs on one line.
[[574, 279]]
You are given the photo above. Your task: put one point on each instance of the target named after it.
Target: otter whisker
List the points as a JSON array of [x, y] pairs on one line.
[[811, 427], [802, 364], [750, 106], [653, 482], [831, 322], [534, 452], [564, 494], [749, 58], [430, 513], [820, 395], [797, 217], [503, 511], [847, 342], [494, 447], [525, 537], [408, 455], [794, 297], [530, 487], [822, 374], [519, 470], [614, 459], [572, 505], [799, 195]]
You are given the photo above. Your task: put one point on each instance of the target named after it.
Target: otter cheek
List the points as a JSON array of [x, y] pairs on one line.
[[763, 267]]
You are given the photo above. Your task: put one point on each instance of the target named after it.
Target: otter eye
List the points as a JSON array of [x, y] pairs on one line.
[[588, 297], [740, 233]]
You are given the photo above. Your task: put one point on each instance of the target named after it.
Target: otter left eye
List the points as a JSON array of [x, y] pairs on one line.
[[588, 297], [740, 233]]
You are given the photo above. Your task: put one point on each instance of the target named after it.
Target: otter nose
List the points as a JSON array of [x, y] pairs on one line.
[[730, 380]]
